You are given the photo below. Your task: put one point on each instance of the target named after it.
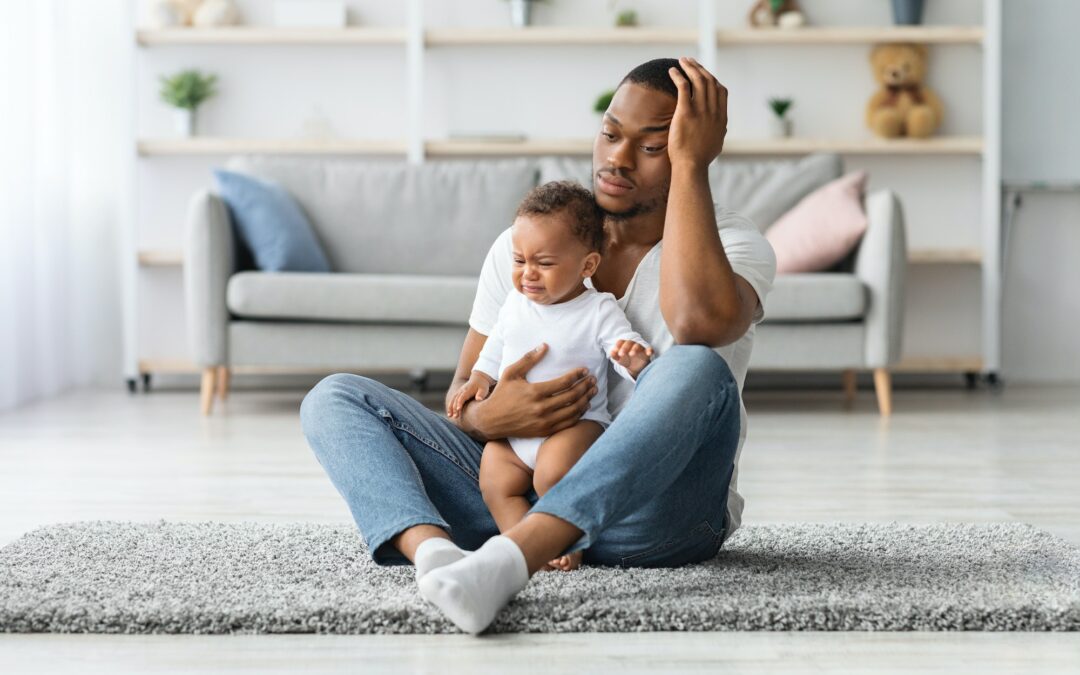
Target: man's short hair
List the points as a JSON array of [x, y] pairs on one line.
[[654, 75], [586, 217]]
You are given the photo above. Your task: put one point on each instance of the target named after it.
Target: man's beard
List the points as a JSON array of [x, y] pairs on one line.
[[641, 208]]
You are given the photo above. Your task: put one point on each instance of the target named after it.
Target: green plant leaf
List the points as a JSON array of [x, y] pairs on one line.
[[187, 89], [780, 106], [603, 101]]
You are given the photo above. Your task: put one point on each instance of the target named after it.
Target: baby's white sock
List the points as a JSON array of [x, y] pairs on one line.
[[435, 552], [471, 591]]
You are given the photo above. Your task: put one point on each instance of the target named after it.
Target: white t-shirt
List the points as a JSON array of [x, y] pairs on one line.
[[579, 333], [751, 257]]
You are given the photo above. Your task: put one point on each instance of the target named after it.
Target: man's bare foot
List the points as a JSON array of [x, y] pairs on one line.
[[568, 562]]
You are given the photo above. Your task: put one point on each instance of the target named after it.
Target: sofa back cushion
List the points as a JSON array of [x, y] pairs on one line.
[[388, 217], [765, 190], [760, 190]]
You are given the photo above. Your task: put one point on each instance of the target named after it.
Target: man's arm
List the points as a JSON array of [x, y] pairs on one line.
[[702, 300]]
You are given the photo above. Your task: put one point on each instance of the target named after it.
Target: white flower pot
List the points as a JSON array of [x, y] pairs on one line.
[[520, 13], [782, 127], [184, 121]]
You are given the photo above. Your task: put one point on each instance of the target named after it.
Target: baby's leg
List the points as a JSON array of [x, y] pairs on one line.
[[504, 482], [557, 455]]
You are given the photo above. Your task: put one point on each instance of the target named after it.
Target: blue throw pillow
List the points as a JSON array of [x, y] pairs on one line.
[[272, 224]]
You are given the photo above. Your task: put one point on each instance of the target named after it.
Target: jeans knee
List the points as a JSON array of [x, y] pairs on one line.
[[702, 364], [325, 397]]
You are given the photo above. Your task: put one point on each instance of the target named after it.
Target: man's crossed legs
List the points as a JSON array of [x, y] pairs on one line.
[[651, 492]]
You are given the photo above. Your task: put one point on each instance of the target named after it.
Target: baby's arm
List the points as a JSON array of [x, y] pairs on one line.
[[478, 386], [628, 351], [484, 374]]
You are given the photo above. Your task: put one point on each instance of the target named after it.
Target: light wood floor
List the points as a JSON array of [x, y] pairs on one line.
[[945, 455]]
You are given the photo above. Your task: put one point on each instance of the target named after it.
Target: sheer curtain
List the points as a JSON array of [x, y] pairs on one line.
[[65, 115]]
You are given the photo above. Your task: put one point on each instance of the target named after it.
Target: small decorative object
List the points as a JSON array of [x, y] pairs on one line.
[[212, 13], [521, 12], [603, 101], [791, 20], [907, 12], [626, 19], [902, 105], [310, 13], [186, 91], [166, 14], [782, 126], [782, 13]]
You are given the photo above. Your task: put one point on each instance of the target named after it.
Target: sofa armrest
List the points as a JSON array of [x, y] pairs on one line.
[[881, 264], [209, 261]]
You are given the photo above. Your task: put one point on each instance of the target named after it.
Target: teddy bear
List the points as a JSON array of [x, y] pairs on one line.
[[782, 13], [903, 105], [202, 13]]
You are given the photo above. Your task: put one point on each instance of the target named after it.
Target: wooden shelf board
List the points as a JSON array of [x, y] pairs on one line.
[[827, 35], [941, 145], [933, 256], [558, 35], [228, 146], [271, 36], [936, 364], [938, 145], [161, 258]]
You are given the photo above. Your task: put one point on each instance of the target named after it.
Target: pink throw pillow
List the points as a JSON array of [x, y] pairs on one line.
[[822, 228]]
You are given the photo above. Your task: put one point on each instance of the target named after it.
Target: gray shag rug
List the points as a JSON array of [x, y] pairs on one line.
[[111, 577]]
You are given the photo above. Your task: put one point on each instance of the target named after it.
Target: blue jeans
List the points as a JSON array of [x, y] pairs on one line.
[[651, 492]]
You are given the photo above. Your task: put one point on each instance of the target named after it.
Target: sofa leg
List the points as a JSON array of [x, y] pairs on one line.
[[883, 387], [206, 393], [223, 374], [849, 387]]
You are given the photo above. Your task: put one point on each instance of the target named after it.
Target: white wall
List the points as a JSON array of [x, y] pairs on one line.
[[548, 93]]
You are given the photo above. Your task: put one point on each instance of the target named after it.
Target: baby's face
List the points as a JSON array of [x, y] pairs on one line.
[[549, 261]]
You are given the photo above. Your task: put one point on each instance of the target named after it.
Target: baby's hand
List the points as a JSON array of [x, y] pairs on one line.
[[632, 356], [478, 387]]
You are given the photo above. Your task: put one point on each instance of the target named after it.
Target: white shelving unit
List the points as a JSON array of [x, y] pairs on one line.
[[709, 39]]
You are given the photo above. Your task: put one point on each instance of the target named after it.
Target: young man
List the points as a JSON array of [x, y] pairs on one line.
[[659, 486]]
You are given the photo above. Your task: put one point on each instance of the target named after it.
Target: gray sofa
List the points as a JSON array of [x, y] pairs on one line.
[[406, 244]]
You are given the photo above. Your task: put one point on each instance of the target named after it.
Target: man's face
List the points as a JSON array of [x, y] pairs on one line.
[[631, 168]]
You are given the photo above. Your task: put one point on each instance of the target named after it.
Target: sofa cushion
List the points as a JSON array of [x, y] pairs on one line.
[[389, 217], [271, 224], [822, 229], [387, 298], [815, 297], [765, 190], [760, 190]]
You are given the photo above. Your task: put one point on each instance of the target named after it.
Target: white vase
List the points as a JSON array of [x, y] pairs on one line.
[[184, 120], [520, 13], [781, 127]]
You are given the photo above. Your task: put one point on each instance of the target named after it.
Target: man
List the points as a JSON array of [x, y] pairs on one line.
[[659, 486]]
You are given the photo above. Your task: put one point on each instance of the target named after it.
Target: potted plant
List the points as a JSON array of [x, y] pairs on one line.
[[626, 19], [186, 91], [603, 101], [782, 126], [907, 12]]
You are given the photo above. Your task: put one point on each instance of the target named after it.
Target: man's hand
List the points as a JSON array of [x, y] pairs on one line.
[[631, 355], [478, 387], [526, 409], [699, 125]]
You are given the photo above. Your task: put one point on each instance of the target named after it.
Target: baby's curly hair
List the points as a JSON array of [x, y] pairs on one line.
[[586, 217]]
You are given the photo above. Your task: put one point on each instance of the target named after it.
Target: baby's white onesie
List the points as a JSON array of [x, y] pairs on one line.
[[579, 333]]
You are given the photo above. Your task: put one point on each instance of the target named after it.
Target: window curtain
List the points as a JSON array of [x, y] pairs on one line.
[[65, 116]]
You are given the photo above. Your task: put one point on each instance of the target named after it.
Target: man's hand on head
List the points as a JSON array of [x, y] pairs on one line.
[[699, 125]]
